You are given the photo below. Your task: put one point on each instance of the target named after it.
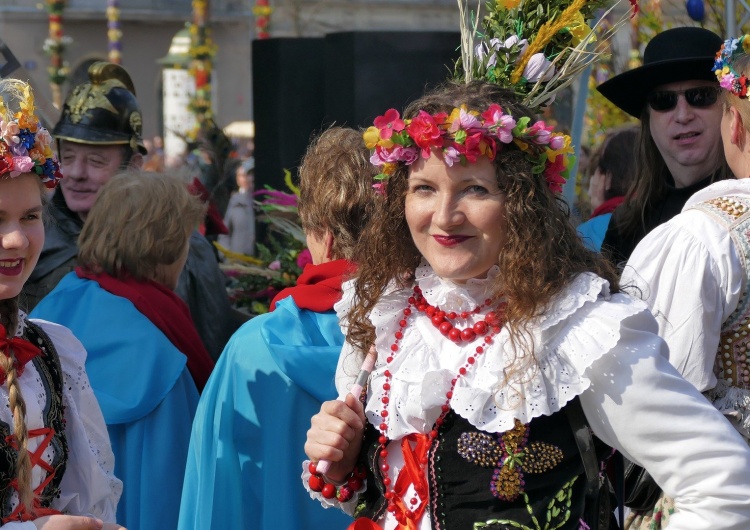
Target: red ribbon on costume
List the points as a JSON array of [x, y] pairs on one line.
[[410, 475], [21, 513], [22, 348]]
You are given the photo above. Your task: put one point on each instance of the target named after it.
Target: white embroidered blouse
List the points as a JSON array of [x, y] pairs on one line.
[[591, 344], [88, 486]]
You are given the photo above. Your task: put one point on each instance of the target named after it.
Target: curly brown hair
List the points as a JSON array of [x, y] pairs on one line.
[[542, 252]]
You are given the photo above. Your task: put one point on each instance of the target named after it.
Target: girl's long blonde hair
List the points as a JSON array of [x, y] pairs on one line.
[[9, 320]]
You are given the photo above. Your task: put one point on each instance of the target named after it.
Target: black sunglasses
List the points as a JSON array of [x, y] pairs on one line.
[[700, 97]]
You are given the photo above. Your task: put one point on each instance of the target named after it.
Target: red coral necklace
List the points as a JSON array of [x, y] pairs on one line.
[[415, 458]]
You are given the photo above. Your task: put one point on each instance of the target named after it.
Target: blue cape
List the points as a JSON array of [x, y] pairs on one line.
[[247, 444], [145, 391]]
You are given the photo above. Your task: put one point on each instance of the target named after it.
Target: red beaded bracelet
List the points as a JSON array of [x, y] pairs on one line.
[[343, 493]]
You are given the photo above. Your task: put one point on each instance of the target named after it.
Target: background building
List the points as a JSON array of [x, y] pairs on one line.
[[148, 27]]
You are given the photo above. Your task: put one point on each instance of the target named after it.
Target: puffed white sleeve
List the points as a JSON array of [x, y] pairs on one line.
[[639, 404], [349, 361], [689, 274], [88, 486]]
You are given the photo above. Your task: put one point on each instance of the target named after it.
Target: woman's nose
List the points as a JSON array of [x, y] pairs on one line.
[[13, 237], [449, 212]]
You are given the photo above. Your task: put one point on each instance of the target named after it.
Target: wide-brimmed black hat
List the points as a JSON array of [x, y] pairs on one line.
[[679, 54], [103, 111]]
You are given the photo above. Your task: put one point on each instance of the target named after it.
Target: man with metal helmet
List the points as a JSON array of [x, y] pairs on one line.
[[99, 134]]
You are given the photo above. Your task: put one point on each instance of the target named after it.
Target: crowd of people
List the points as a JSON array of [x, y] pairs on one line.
[[458, 354]]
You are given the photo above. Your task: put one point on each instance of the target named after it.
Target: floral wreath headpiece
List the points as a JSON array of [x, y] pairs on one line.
[[25, 146], [728, 78], [463, 136]]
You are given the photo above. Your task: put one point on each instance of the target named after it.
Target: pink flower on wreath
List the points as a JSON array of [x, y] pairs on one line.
[[451, 155], [21, 165], [275, 265], [425, 131], [557, 142], [493, 114], [539, 133], [304, 258], [388, 123], [463, 119], [727, 81], [10, 132], [502, 123], [397, 153]]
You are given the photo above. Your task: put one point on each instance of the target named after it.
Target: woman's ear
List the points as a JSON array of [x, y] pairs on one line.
[[328, 241], [737, 131]]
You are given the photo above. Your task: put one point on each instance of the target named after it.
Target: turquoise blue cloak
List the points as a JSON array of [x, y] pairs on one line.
[[247, 445], [593, 231], [145, 391]]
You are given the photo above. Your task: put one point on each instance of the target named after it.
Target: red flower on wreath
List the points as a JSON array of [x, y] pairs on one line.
[[553, 174], [425, 131], [6, 164]]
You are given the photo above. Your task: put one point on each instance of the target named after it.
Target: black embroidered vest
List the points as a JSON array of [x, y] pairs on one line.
[[530, 477], [51, 376]]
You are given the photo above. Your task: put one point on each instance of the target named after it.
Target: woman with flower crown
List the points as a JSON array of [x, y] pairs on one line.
[[55, 458], [497, 340]]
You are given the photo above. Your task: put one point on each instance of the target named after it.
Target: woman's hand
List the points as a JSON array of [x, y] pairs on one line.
[[73, 522], [336, 435]]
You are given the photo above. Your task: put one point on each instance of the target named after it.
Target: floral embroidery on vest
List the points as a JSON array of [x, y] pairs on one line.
[[511, 456]]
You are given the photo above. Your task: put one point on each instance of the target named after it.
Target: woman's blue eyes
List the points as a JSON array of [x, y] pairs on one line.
[[469, 189]]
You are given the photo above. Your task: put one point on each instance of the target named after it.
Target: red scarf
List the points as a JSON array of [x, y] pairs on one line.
[[167, 312], [319, 286], [607, 206]]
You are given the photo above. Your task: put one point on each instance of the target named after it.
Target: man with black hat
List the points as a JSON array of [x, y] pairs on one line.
[[675, 96], [99, 134]]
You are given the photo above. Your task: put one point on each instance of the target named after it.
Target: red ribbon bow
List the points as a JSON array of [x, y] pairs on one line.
[[22, 348]]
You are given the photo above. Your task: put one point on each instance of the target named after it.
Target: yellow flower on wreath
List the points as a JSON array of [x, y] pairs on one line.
[[508, 4], [372, 138], [579, 29]]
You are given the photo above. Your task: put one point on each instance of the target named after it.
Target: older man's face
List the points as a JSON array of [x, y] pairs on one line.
[[87, 167], [688, 136]]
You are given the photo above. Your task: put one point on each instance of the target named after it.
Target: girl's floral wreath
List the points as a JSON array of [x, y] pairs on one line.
[[728, 78], [464, 136], [25, 146]]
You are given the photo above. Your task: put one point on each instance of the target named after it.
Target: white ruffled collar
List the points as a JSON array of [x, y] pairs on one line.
[[580, 326], [450, 296]]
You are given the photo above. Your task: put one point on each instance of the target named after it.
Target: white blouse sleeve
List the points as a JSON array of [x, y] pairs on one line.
[[689, 274], [639, 404], [89, 486]]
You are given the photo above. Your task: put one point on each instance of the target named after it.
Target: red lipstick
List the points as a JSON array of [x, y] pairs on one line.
[[450, 241], [11, 267]]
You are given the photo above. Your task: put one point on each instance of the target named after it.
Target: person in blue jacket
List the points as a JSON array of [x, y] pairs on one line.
[[146, 361], [251, 423], [612, 171]]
